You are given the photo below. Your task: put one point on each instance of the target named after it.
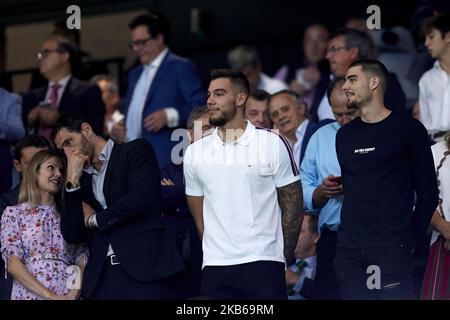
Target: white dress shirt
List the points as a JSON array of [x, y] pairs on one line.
[[270, 85], [297, 148], [434, 99], [140, 94], [309, 271], [63, 84]]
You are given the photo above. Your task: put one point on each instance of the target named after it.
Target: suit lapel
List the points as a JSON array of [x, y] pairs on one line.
[[159, 76], [71, 88], [109, 173]]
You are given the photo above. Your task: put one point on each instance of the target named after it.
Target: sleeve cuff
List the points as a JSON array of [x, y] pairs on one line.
[[72, 190], [173, 117], [286, 181]]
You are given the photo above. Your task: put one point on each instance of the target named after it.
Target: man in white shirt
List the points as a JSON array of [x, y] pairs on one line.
[[434, 86], [244, 193], [246, 59]]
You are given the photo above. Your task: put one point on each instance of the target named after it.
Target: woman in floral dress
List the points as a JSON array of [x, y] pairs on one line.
[[32, 246]]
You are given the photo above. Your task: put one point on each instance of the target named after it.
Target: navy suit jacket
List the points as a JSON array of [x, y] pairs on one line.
[[132, 222], [79, 97], [176, 85]]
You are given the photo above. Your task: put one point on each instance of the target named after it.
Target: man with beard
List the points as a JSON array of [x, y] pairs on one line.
[[386, 162], [243, 191], [115, 207]]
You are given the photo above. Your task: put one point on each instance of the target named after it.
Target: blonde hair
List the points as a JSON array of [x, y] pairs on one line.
[[29, 188]]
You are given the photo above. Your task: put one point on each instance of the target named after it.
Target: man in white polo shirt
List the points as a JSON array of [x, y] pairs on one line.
[[244, 193]]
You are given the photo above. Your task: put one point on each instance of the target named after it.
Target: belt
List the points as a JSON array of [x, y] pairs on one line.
[[48, 256], [113, 260]]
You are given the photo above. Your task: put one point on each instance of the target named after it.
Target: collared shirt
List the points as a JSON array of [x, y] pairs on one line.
[[140, 93], [324, 110], [309, 271], [299, 134], [270, 85], [63, 84], [434, 99], [319, 162], [239, 181], [98, 178]]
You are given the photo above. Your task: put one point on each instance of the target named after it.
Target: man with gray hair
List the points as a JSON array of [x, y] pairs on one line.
[[246, 59], [345, 47]]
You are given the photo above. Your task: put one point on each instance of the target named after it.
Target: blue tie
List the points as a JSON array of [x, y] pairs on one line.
[[135, 110]]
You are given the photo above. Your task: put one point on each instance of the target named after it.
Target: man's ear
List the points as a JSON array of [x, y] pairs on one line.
[[86, 130], [17, 166], [241, 99], [374, 82]]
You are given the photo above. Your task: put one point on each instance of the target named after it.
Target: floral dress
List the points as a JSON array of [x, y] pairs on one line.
[[33, 234]]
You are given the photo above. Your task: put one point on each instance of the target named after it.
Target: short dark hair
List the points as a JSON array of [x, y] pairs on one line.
[[440, 23], [354, 39], [236, 78], [156, 24], [333, 84], [31, 140], [373, 68], [298, 99], [195, 114], [259, 95], [65, 46], [70, 121]]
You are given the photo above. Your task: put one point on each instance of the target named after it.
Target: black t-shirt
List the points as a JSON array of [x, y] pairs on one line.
[[383, 166]]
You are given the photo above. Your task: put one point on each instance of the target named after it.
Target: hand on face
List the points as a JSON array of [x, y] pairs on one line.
[[75, 164]]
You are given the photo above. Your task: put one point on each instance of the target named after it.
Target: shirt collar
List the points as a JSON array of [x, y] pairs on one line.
[[243, 140], [300, 132], [104, 156], [63, 82], [158, 60]]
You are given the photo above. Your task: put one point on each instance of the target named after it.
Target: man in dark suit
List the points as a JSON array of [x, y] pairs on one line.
[[64, 93], [161, 91], [288, 113], [25, 149], [115, 206]]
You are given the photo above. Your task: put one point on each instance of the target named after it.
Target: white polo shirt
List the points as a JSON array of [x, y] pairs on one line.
[[241, 215]]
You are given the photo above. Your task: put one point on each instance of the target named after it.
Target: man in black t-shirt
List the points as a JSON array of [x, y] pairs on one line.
[[386, 164]]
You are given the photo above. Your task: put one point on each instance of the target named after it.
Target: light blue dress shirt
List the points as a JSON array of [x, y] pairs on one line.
[[321, 161]]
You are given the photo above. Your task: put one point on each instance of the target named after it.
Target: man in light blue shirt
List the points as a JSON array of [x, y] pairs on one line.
[[322, 188]]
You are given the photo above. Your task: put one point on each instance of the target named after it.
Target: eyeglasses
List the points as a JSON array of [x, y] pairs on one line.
[[334, 49], [138, 43], [45, 52]]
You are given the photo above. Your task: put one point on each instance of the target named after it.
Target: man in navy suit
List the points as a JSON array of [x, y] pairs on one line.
[[115, 206], [161, 91], [288, 113], [64, 93]]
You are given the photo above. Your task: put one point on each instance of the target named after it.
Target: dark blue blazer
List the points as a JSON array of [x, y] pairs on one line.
[[176, 85], [132, 222], [310, 129], [78, 97]]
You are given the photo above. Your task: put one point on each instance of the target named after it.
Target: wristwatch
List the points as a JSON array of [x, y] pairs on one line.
[[72, 185]]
